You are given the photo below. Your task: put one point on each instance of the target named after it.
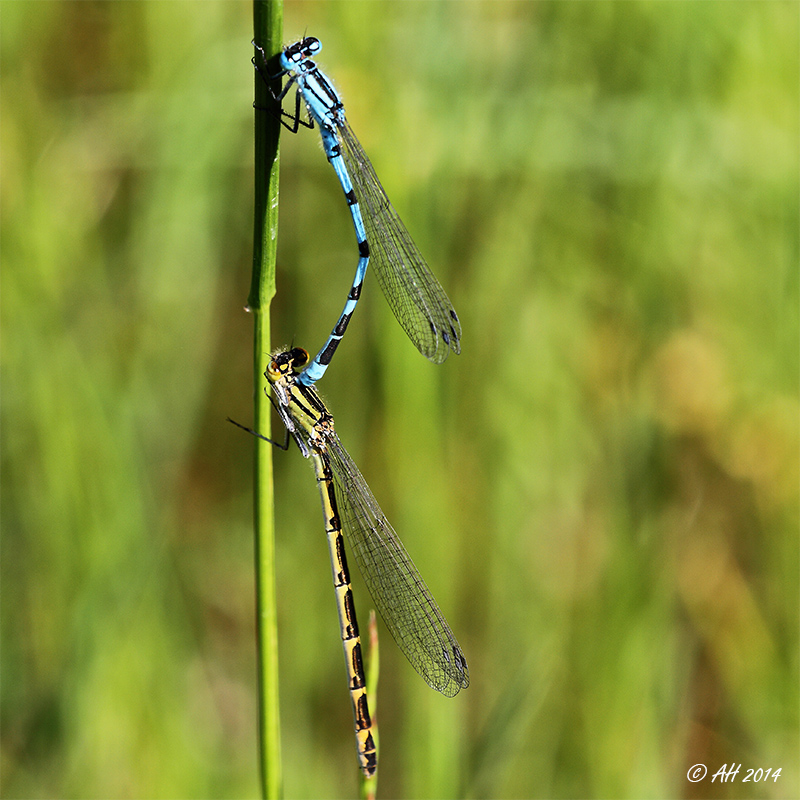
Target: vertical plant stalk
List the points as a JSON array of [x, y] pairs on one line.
[[268, 33]]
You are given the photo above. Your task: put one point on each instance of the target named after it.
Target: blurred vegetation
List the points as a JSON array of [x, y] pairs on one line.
[[601, 491]]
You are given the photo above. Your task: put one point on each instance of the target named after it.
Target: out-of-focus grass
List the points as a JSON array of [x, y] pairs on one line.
[[601, 491]]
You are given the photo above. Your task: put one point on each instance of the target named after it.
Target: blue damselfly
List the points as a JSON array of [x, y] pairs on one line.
[[416, 297]]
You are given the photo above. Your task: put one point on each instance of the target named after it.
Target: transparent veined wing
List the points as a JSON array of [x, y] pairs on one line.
[[415, 295], [400, 595]]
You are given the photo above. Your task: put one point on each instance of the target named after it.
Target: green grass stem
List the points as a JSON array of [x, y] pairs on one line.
[[268, 33]]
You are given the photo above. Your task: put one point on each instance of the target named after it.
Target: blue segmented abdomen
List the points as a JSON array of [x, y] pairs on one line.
[[319, 364]]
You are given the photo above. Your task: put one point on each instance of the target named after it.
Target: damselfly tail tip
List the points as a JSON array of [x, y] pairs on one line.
[[369, 770]]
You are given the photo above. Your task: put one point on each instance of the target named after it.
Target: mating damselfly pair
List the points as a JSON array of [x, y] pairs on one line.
[[425, 312]]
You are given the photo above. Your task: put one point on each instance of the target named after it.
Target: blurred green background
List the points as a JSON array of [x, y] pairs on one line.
[[601, 491]]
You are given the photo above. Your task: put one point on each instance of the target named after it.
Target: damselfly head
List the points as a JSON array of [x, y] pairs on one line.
[[285, 363], [299, 51]]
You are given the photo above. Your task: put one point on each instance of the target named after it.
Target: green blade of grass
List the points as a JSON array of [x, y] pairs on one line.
[[268, 33]]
